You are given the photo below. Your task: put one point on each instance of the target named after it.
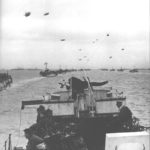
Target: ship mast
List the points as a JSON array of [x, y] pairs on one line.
[[91, 94], [46, 64]]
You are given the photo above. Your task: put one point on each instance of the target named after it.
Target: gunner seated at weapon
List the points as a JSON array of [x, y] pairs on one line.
[[67, 85], [44, 124], [34, 141], [122, 121], [125, 114]]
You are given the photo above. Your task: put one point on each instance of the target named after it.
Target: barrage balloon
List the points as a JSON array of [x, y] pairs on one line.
[[27, 14], [47, 13]]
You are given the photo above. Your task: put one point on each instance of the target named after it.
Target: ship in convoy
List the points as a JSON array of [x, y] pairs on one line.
[[5, 81], [112, 69], [133, 70], [47, 72], [52, 73], [120, 70], [86, 116]]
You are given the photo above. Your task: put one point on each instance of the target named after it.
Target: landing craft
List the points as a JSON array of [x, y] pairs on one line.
[[48, 73], [83, 117], [112, 69], [120, 70], [133, 70], [52, 73]]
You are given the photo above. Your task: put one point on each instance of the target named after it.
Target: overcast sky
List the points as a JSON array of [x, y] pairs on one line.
[[30, 41]]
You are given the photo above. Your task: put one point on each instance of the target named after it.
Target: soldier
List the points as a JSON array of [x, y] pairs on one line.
[[124, 119], [40, 114], [33, 140], [125, 114], [49, 122]]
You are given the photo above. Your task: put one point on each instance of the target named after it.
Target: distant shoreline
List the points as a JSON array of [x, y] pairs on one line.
[[32, 69], [25, 69]]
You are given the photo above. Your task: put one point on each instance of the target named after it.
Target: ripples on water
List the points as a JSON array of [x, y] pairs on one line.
[[29, 85]]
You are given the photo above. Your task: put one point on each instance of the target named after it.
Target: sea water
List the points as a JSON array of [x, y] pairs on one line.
[[28, 85]]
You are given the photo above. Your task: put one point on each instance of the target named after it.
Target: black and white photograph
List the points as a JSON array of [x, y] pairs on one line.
[[74, 75]]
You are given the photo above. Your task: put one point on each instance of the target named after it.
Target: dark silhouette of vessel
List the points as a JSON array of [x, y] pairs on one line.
[[120, 70], [133, 70], [82, 112], [47, 72], [5, 81]]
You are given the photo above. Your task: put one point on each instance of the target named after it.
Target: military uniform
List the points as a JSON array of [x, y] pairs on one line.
[[34, 140]]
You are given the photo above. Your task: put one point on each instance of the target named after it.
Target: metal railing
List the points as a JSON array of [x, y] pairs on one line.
[[8, 145]]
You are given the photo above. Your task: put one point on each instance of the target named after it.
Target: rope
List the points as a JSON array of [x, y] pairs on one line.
[[19, 128], [3, 147], [7, 140], [7, 144]]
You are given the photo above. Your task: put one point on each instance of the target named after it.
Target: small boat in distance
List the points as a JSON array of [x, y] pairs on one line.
[[104, 69], [112, 69], [133, 70], [47, 72], [121, 69]]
